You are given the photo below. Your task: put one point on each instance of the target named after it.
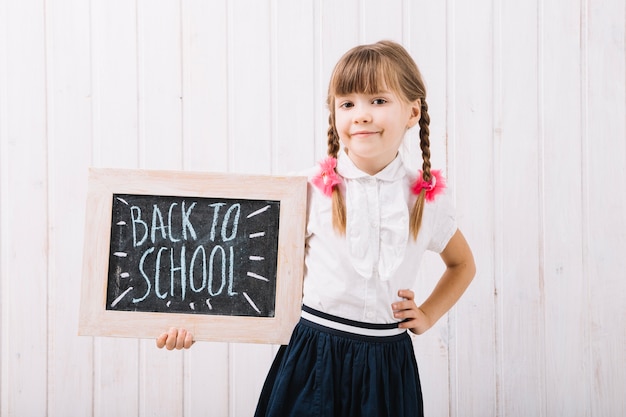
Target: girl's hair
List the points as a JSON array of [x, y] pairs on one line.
[[367, 69]]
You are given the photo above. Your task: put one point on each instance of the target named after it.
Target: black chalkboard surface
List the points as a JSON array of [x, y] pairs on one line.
[[219, 254], [193, 255]]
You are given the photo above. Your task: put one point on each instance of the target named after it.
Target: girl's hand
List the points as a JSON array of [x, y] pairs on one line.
[[175, 339], [413, 317]]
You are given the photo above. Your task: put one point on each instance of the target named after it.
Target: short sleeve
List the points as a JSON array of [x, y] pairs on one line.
[[444, 223]]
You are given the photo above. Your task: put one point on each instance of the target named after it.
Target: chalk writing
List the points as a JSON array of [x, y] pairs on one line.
[[193, 255]]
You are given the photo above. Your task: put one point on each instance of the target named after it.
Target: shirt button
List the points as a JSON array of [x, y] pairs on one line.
[[370, 314]]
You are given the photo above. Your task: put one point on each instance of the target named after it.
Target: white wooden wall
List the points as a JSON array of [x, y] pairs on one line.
[[528, 106]]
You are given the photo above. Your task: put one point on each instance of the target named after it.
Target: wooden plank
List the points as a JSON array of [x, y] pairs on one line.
[[604, 179], [380, 19], [248, 365], [206, 381], [249, 111], [471, 170], [4, 218], [25, 238], [340, 30], [430, 55], [566, 324], [205, 86], [116, 382], [115, 144], [160, 84], [205, 148], [70, 366], [518, 164], [294, 75], [115, 91]]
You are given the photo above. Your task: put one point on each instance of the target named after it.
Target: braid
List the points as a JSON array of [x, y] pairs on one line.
[[339, 206], [425, 141], [333, 138], [418, 208]]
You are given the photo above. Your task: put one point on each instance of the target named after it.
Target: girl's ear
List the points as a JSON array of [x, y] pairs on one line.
[[416, 113]]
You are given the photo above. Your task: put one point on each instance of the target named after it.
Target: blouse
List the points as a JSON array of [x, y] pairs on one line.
[[357, 276]]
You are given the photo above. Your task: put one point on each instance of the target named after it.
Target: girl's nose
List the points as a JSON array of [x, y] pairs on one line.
[[362, 116]]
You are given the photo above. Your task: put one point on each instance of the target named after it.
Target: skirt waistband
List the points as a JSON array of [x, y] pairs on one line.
[[350, 326]]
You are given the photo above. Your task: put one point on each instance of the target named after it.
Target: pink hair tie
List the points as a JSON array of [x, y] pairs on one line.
[[327, 178], [433, 188]]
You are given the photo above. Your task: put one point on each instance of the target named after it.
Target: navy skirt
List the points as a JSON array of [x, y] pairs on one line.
[[342, 368]]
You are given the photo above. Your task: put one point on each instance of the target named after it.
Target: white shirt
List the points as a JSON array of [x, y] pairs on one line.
[[357, 276]]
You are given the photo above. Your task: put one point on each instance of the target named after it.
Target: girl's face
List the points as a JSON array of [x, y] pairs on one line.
[[372, 127]]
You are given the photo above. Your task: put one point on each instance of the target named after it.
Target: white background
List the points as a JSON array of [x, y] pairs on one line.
[[527, 101]]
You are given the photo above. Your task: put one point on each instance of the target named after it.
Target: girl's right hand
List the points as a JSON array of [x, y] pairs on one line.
[[175, 339]]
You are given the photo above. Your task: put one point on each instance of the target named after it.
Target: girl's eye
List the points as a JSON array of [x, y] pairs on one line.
[[346, 105], [379, 101]]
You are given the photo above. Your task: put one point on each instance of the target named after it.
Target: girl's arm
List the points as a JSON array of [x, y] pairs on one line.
[[460, 270]]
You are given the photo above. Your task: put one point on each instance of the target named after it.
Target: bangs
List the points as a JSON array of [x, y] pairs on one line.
[[363, 72]]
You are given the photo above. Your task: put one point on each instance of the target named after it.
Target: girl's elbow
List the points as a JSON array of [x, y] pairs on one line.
[[470, 268], [466, 270], [471, 272]]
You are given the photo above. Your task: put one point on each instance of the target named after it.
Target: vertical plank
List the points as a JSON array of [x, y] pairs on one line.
[[250, 144], [160, 147], [471, 169], [426, 39], [70, 366], [25, 238], [429, 52], [249, 102], [207, 381], [4, 218], [205, 148], [293, 78], [380, 19], [114, 63], [566, 347], [115, 132], [605, 225], [205, 86], [160, 84], [518, 168], [340, 31]]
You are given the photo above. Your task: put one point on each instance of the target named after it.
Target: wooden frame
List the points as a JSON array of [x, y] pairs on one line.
[[96, 320]]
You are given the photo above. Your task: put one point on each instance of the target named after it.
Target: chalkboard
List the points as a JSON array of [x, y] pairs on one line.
[[193, 255], [219, 254]]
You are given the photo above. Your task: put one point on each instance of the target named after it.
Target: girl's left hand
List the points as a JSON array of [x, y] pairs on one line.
[[413, 318], [175, 339]]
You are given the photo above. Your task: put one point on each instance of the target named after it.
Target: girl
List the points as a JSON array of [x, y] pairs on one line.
[[370, 219]]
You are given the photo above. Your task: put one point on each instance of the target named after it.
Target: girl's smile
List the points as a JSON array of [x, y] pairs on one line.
[[364, 133]]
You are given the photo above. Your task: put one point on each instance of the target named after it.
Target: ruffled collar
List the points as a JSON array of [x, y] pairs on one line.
[[347, 169]]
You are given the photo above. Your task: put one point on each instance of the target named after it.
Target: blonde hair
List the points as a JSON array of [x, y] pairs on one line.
[[365, 69]]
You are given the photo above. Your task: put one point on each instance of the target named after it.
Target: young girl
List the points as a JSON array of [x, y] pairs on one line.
[[370, 220]]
